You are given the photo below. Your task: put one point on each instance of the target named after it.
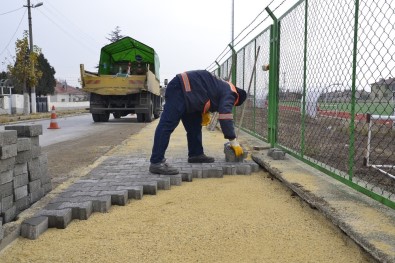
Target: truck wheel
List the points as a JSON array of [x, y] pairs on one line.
[[104, 117], [96, 117], [140, 117], [116, 115], [149, 116]]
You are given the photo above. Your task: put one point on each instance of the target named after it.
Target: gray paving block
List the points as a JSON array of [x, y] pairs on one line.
[[45, 179], [57, 218], [32, 130], [162, 183], [8, 137], [35, 196], [254, 167], [35, 140], [33, 167], [7, 164], [215, 172], [117, 197], [6, 189], [9, 214], [134, 192], [149, 188], [100, 203], [6, 176], [8, 151], [1, 229], [36, 151], [21, 180], [34, 186], [47, 187], [80, 193], [229, 169], [186, 176], [230, 154], [24, 144], [243, 169], [79, 210], [22, 204], [276, 154], [175, 179], [7, 202], [33, 227], [20, 168], [23, 157], [197, 173], [212, 172], [20, 192]]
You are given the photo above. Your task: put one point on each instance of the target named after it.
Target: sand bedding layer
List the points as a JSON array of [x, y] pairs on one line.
[[234, 219]]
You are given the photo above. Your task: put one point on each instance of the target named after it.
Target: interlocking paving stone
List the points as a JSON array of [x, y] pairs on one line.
[[32, 228], [57, 218], [118, 179]]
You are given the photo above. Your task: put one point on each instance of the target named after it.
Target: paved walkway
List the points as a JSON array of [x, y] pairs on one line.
[[123, 174]]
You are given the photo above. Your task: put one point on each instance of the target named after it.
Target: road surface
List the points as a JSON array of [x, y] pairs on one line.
[[80, 141]]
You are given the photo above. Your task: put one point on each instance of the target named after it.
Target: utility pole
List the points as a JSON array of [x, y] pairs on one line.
[[33, 89], [233, 23]]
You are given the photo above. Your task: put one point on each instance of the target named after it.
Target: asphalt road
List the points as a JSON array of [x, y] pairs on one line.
[[80, 141]]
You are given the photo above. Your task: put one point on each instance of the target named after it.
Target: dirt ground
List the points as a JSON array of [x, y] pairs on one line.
[[234, 219]]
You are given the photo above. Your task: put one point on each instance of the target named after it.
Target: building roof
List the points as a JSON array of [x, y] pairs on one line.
[[65, 89]]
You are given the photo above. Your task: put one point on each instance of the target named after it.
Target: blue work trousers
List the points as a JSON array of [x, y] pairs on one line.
[[175, 110]]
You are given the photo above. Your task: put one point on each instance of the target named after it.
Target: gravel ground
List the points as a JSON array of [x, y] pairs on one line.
[[202, 221]]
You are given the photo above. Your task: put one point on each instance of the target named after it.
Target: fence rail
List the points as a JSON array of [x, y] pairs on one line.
[[331, 66]]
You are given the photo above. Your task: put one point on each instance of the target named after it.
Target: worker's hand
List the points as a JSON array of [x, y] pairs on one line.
[[205, 119], [234, 144]]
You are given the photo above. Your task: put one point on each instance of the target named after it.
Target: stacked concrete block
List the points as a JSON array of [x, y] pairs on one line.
[[8, 152], [30, 169]]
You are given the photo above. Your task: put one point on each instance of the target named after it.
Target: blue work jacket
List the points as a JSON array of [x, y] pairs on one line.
[[205, 92]]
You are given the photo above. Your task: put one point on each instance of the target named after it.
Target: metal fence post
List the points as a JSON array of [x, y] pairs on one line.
[[353, 100], [273, 79]]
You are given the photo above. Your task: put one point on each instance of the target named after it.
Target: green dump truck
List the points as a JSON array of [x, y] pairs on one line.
[[127, 82]]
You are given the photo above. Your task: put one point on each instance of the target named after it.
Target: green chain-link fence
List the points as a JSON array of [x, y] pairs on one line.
[[328, 97]]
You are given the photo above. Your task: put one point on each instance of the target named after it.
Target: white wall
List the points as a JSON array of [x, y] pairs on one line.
[[17, 104], [68, 105]]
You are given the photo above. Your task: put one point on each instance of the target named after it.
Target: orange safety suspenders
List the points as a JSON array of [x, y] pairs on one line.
[[187, 87]]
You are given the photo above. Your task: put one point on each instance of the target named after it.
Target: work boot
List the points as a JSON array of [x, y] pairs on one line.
[[200, 159], [162, 168]]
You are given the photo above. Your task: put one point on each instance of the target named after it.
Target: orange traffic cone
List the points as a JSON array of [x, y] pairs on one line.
[[53, 124]]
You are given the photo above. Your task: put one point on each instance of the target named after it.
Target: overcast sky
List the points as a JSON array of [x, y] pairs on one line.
[[186, 35]]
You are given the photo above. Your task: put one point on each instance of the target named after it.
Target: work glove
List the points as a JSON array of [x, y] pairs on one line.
[[234, 144], [205, 119]]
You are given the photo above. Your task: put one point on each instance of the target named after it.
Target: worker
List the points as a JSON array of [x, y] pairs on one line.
[[190, 97]]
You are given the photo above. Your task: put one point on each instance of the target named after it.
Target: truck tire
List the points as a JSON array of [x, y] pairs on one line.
[[140, 117], [149, 116], [104, 117], [96, 117], [117, 115]]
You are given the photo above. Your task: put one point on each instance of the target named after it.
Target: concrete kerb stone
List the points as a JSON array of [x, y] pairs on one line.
[[332, 198]]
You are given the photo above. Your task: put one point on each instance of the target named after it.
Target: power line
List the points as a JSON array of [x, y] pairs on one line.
[[70, 21], [67, 33], [20, 22], [11, 11]]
